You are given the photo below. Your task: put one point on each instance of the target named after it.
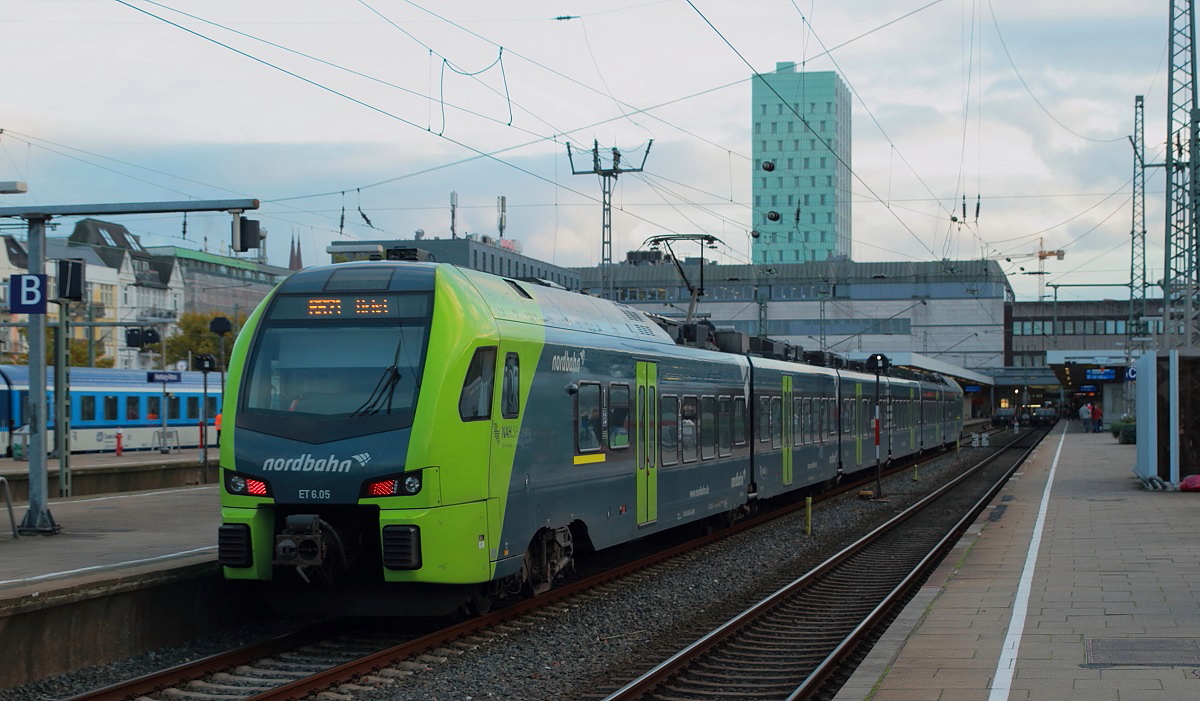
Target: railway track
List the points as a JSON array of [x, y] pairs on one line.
[[791, 643], [345, 658]]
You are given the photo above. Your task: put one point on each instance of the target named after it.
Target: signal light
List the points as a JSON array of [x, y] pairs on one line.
[[383, 488], [248, 235]]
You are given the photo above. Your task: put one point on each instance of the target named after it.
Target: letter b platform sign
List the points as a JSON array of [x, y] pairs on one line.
[[27, 294]]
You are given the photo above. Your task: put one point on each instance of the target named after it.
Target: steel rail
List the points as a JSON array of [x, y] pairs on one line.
[[662, 672], [300, 688]]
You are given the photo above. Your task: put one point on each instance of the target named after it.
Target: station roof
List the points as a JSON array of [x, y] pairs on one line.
[[921, 362], [1077, 367]]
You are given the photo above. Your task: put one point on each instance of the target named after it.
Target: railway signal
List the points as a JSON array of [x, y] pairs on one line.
[[878, 363]]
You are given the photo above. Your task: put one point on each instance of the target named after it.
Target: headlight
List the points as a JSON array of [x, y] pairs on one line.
[[245, 485], [404, 484]]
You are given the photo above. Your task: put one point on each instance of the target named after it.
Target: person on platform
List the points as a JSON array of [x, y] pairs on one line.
[[1097, 418], [1085, 417], [217, 425]]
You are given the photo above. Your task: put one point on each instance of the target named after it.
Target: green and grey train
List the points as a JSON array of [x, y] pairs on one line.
[[414, 438]]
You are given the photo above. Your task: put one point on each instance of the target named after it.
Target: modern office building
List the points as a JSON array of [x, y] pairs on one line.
[[801, 155]]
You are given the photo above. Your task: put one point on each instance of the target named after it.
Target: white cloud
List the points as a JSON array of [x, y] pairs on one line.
[[957, 118]]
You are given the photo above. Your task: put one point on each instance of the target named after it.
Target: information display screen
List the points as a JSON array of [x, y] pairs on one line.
[[1100, 374], [351, 306]]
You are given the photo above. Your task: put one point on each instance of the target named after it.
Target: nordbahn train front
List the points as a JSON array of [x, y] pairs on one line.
[[327, 488]]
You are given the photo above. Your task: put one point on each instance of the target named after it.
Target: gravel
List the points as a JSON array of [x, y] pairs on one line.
[[583, 646]]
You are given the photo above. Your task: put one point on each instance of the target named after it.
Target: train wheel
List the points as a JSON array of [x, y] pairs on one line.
[[480, 602]]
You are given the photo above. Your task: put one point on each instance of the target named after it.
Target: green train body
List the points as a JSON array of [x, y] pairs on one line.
[[410, 438]]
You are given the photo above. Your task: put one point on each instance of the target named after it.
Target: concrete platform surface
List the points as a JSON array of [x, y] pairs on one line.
[[1075, 583], [110, 536]]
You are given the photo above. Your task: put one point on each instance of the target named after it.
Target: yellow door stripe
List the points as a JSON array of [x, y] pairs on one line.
[[585, 459]]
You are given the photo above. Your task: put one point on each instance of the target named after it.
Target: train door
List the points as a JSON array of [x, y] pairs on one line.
[[647, 443], [506, 422], [789, 434], [858, 419]]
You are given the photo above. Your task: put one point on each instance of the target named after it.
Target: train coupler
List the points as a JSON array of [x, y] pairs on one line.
[[303, 542]]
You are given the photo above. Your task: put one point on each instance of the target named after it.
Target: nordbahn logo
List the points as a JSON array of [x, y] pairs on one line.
[[568, 361], [306, 463]]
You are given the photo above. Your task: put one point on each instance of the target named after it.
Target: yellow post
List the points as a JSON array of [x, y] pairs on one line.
[[915, 477], [807, 515]]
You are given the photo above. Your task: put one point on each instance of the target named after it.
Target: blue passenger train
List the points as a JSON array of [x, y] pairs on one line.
[[106, 400]]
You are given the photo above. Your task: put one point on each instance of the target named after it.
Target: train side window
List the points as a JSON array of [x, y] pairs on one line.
[[210, 404], [810, 421], [812, 408], [864, 418], [87, 408], [724, 427], [688, 431], [814, 418], [173, 407], [708, 427], [820, 416], [776, 423], [764, 419], [475, 401], [110, 408], [669, 429], [133, 408], [588, 418], [618, 416], [193, 407], [847, 415], [797, 412], [510, 395], [152, 407], [739, 421]]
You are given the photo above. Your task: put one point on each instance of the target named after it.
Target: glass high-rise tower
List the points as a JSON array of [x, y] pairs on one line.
[[801, 178]]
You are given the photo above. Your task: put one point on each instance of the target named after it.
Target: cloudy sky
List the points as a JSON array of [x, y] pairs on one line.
[[343, 112]]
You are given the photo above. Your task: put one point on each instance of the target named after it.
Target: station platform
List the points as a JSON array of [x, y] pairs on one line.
[[1075, 583], [111, 583], [107, 473], [114, 534]]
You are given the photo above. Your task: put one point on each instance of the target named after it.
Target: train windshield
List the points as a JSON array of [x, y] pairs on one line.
[[335, 376]]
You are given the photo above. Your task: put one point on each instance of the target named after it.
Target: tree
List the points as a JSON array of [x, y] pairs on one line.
[[192, 336], [77, 353]]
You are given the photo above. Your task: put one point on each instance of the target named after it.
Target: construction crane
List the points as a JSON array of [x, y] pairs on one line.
[[1041, 254]]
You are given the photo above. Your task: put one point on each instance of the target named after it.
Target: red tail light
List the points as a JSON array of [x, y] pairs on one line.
[[256, 488], [382, 488]]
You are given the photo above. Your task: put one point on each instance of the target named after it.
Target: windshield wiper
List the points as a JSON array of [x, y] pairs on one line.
[[381, 396], [385, 389]]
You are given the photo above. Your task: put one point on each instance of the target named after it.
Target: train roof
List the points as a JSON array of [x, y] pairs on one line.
[[108, 378]]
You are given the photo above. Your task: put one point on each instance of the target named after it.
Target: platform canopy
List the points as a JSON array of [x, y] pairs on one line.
[[1087, 367], [921, 362]]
